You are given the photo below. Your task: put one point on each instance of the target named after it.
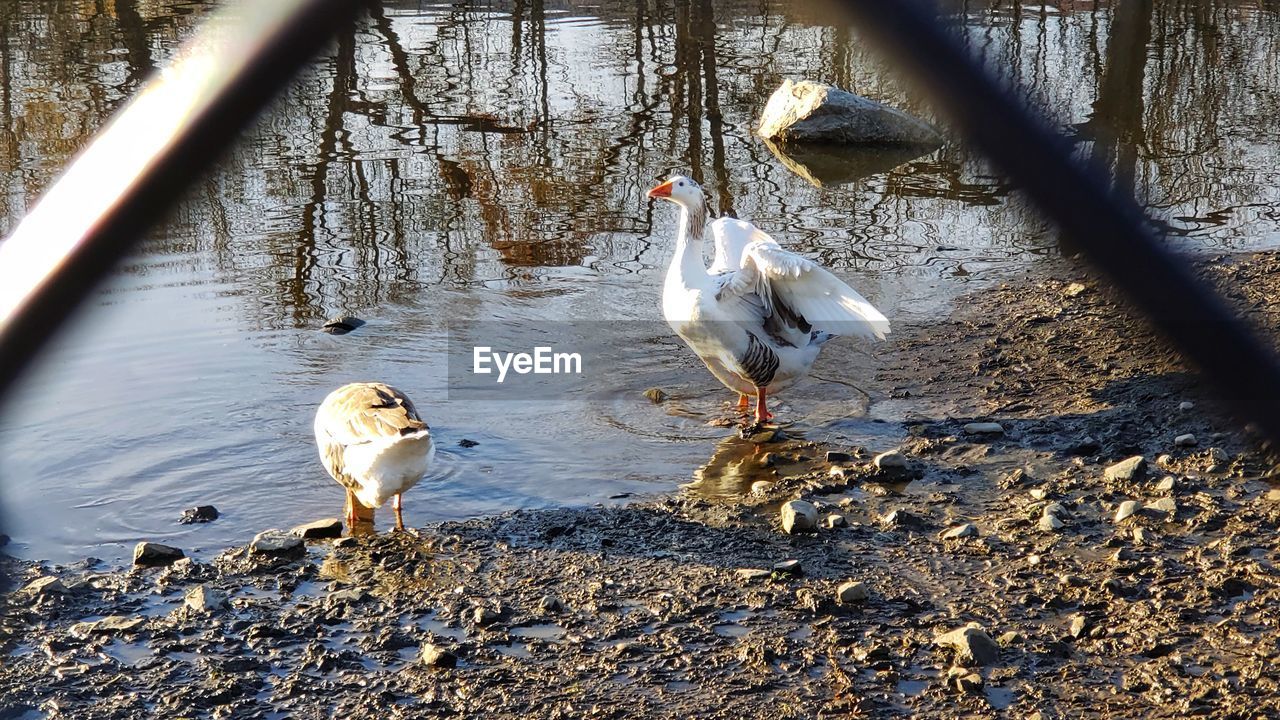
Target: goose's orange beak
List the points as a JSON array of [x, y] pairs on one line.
[[662, 191]]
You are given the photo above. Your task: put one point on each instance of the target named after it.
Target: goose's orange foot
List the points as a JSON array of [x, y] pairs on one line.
[[744, 402]]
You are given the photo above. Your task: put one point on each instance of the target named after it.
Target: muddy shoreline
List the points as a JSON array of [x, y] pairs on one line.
[[1100, 589]]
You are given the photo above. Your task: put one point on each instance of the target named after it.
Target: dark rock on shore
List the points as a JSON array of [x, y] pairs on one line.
[[149, 554], [319, 529]]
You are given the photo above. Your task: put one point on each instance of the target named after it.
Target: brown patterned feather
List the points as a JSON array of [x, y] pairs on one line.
[[360, 413]]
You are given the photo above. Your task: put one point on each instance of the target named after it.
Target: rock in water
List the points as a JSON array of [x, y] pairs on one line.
[[1187, 440], [148, 554], [657, 396], [972, 645], [983, 428], [342, 325], [799, 516], [198, 514], [1126, 470], [277, 542], [891, 461], [327, 528], [203, 598], [435, 656], [813, 112]]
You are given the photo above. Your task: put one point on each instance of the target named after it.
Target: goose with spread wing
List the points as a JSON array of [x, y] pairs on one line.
[[759, 315], [374, 443]]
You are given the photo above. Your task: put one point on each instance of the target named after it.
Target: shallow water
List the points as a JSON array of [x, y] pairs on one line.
[[487, 162]]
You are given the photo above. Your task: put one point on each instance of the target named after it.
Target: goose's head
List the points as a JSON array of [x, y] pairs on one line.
[[680, 190]]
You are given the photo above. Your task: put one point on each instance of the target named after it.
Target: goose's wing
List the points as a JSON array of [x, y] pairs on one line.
[[729, 237], [800, 292], [362, 413]]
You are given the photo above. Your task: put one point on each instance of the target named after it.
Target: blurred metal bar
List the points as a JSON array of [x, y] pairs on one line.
[[129, 178], [1109, 228]]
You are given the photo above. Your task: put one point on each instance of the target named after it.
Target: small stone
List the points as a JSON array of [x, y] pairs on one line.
[[899, 519], [892, 460], [788, 568], [44, 586], [1186, 405], [1126, 470], [1166, 484], [761, 434], [1078, 625], [964, 681], [983, 428], [972, 645], [852, 592], [109, 625], [1167, 505], [1126, 510], [1039, 493], [752, 574], [657, 396], [1056, 508], [347, 596], [1187, 440], [467, 443], [279, 543], [433, 655], [761, 487], [343, 542], [149, 554], [1051, 523], [1122, 555], [327, 528], [965, 530], [1075, 289], [198, 514], [833, 521], [552, 604], [342, 325], [1010, 639], [1164, 460], [485, 616], [838, 457], [799, 516], [1142, 536], [203, 598]]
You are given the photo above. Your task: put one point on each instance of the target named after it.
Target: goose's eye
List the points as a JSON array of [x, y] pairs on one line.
[[681, 183]]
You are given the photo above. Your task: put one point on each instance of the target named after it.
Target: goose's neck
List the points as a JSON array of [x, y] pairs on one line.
[[693, 222]]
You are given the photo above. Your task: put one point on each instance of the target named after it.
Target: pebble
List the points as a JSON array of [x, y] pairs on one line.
[[203, 598], [346, 542], [277, 542], [1126, 470], [1187, 440], [799, 516], [485, 616], [198, 514], [964, 681], [1051, 523], [327, 528], [1186, 405], [44, 586], [891, 460], [1078, 625], [1142, 536], [983, 428], [1074, 290], [760, 487], [750, 574], [964, 530], [838, 457], [1056, 508], [433, 655], [552, 604], [148, 554], [1039, 493], [1164, 460], [972, 645], [656, 395], [1165, 484], [1166, 505], [1010, 639], [467, 443], [106, 626], [899, 518], [852, 592], [833, 521], [788, 567], [1126, 510]]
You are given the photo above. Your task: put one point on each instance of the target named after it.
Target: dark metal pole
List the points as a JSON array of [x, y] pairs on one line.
[[139, 165], [1107, 227]]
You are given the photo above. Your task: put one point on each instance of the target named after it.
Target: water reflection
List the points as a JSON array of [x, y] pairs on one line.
[[488, 160]]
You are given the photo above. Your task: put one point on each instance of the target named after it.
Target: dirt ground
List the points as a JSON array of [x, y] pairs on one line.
[[1147, 589]]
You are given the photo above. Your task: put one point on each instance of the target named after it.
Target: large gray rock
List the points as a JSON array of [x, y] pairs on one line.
[[327, 528], [972, 644], [1126, 470], [278, 543], [149, 554], [799, 516], [812, 112]]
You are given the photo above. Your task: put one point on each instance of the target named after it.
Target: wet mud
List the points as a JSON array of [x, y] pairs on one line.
[[1014, 561]]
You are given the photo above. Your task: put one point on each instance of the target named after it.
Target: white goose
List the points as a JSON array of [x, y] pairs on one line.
[[760, 315], [373, 442]]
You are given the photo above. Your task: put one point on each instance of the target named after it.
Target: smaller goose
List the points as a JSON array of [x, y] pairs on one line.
[[759, 316], [375, 445]]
